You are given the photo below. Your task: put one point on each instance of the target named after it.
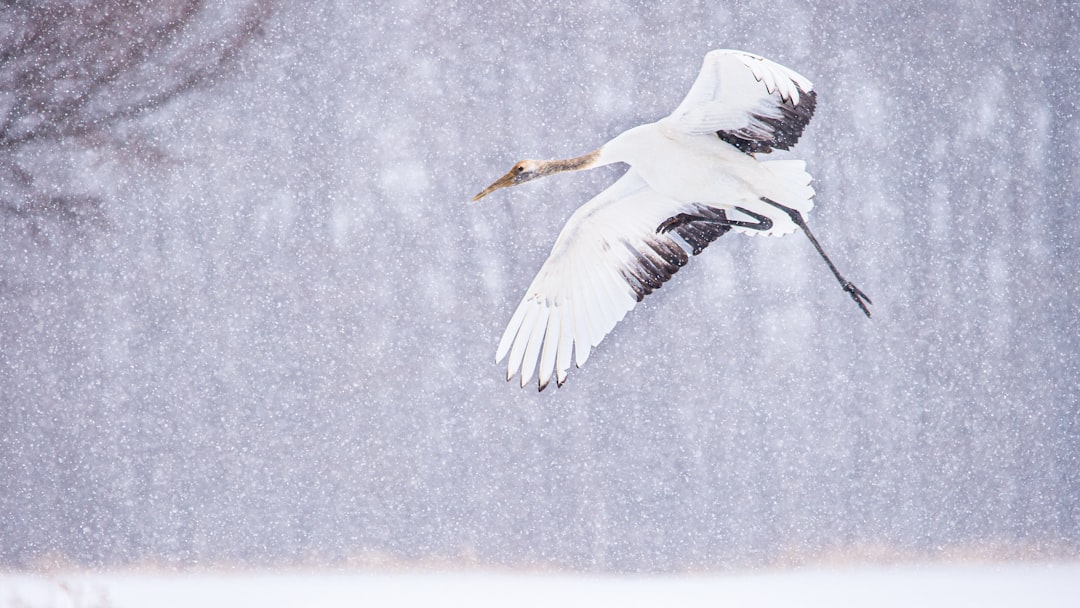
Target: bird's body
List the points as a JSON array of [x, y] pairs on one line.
[[705, 169], [693, 176], [683, 166]]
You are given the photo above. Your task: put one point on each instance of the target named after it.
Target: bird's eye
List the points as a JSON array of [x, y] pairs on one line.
[[519, 169]]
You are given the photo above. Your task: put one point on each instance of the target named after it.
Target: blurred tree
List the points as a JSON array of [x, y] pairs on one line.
[[70, 71]]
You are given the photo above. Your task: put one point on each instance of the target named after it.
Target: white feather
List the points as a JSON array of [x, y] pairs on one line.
[[726, 94]]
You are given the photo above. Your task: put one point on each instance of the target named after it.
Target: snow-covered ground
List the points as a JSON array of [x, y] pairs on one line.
[[952, 585]]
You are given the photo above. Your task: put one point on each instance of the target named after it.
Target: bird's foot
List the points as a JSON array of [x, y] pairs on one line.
[[857, 294], [677, 221], [761, 222]]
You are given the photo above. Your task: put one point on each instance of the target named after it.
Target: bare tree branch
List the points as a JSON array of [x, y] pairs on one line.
[[69, 70]]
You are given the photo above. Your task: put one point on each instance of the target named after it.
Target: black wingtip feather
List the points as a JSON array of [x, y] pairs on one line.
[[661, 257], [785, 130]]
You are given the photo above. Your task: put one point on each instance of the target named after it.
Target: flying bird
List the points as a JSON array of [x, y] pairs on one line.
[[693, 176]]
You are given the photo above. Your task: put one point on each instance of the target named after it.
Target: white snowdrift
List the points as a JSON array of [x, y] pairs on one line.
[[951, 585]]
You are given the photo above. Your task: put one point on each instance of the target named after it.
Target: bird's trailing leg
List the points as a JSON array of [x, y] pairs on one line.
[[856, 294], [763, 222]]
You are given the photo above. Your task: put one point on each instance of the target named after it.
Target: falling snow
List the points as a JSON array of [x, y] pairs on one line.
[[268, 339]]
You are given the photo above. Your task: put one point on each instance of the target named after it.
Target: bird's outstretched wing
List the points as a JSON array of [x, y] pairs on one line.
[[750, 102], [606, 259]]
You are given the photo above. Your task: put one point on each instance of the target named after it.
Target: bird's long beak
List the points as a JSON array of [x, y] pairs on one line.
[[503, 182]]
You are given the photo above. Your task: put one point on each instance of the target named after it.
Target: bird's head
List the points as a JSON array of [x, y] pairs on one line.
[[522, 171]]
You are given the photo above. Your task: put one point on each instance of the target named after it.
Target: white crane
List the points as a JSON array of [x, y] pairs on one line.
[[693, 174]]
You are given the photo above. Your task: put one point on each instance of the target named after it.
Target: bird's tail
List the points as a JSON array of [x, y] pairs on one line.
[[787, 183]]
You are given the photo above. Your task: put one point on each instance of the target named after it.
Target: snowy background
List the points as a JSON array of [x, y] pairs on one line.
[[270, 340]]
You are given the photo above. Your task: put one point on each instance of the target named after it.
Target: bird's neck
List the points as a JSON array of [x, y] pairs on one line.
[[578, 163]]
